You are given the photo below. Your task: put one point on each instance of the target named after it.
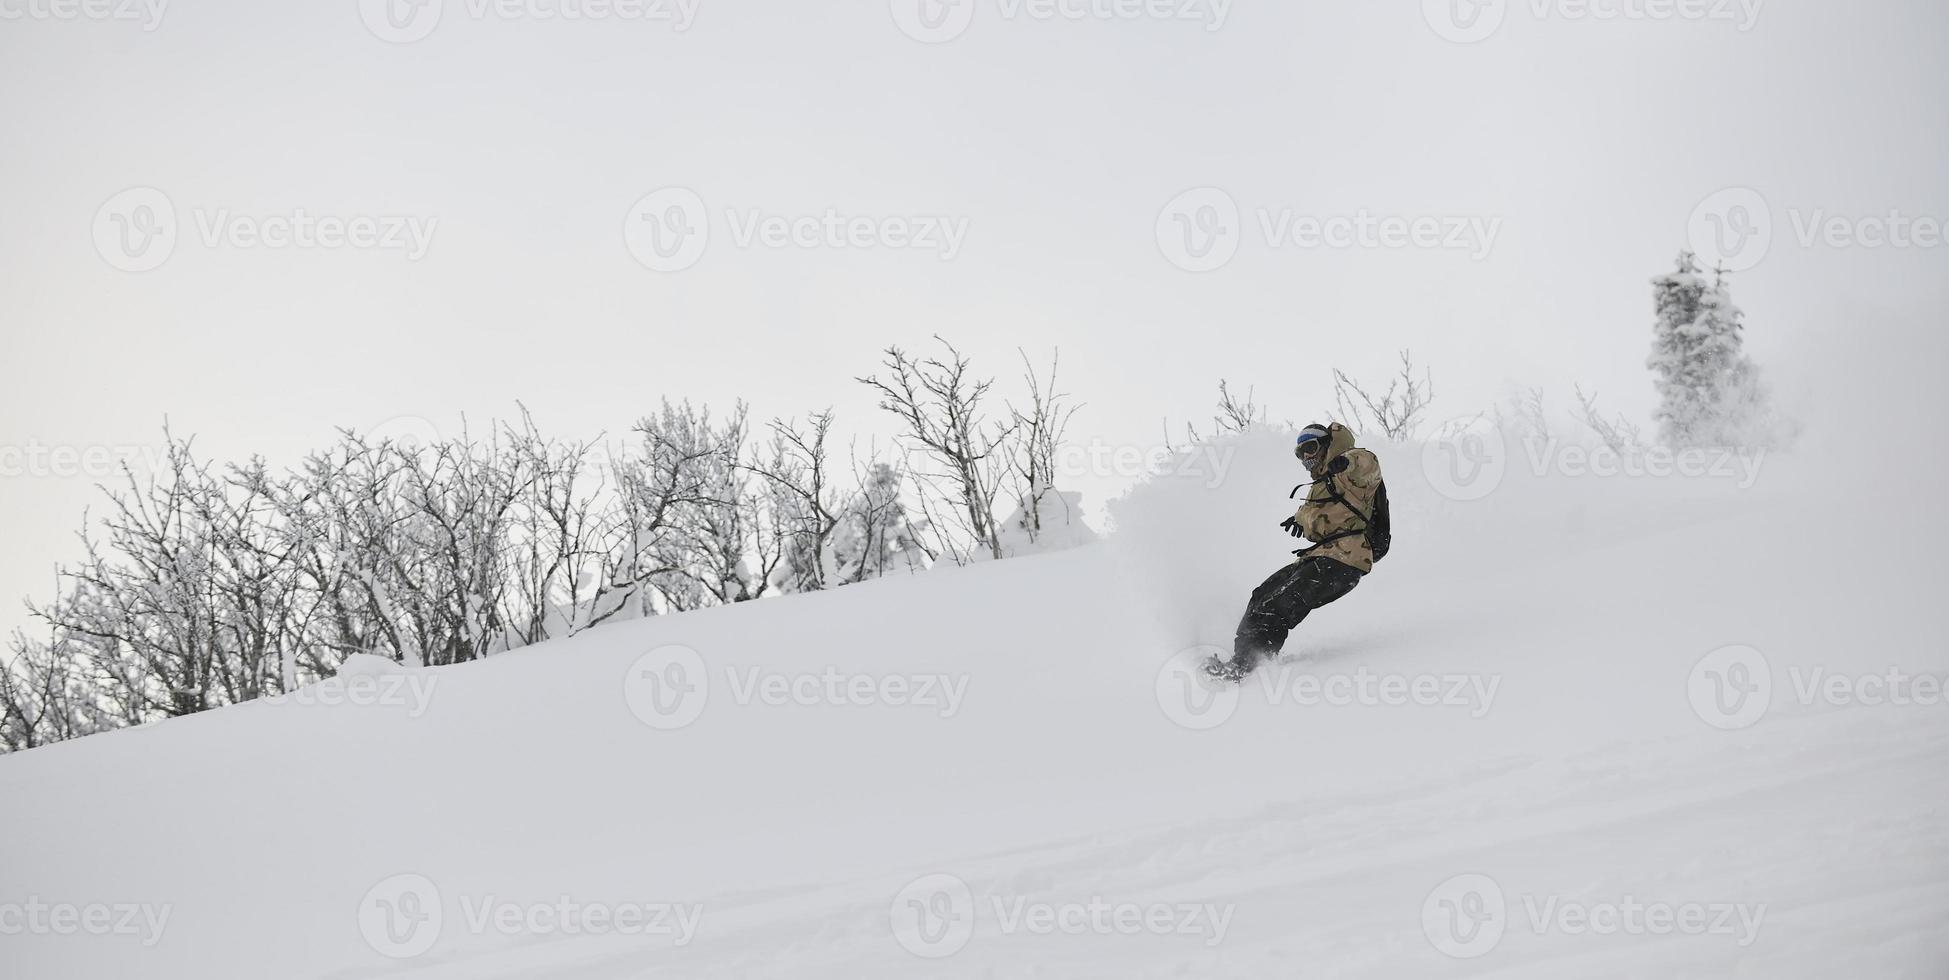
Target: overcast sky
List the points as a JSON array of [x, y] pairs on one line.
[[505, 189]]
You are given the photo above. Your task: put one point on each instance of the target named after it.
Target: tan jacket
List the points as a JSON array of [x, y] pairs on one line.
[[1320, 517]]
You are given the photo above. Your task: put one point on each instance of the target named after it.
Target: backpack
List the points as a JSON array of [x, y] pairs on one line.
[[1379, 527], [1380, 530]]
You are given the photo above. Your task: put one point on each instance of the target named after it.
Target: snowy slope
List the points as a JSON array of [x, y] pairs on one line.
[[1055, 806]]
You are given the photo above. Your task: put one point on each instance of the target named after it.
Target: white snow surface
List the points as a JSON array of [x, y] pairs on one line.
[[1046, 795]]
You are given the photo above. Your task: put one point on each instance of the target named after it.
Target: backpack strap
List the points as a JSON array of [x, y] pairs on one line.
[[1333, 494], [1329, 539]]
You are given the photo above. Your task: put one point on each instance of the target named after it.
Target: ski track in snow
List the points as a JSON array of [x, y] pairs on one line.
[[1333, 887]]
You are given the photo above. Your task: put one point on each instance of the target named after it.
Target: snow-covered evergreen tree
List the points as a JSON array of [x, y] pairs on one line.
[[1709, 392], [1050, 521]]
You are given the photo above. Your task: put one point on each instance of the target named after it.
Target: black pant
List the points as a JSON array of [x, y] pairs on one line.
[[1283, 600]]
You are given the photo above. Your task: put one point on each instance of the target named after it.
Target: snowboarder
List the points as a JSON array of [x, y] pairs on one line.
[[1345, 516]]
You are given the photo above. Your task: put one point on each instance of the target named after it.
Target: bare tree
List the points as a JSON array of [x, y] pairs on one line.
[[47, 695], [1235, 415], [442, 581], [1530, 415], [201, 587], [1039, 430], [343, 517], [710, 541], [877, 536], [261, 630], [940, 406], [141, 606], [1396, 412], [1619, 434], [554, 553], [186, 599], [802, 499], [408, 549]]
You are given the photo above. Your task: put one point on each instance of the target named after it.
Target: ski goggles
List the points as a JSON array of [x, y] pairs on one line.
[[1311, 445]]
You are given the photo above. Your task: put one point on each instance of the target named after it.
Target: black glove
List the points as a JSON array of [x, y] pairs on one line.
[[1291, 524], [1339, 465]]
